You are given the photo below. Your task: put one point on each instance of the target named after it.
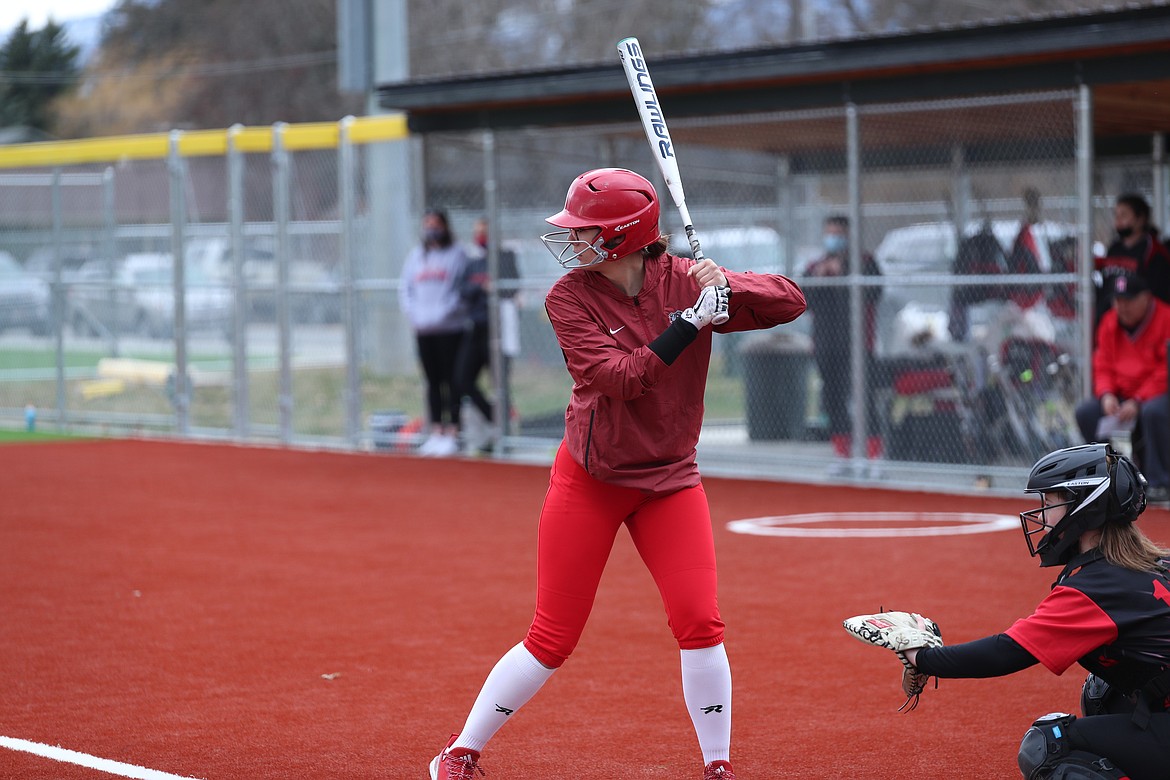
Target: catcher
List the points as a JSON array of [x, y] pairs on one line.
[[1109, 610]]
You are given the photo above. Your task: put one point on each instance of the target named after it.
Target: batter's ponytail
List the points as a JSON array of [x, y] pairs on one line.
[[657, 248]]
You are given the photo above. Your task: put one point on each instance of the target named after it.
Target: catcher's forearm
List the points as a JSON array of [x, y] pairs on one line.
[[993, 656]]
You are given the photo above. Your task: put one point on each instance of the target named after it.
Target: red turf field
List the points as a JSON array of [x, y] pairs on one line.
[[179, 607]]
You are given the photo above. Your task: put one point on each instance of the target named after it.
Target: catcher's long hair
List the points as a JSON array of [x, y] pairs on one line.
[[1126, 546]]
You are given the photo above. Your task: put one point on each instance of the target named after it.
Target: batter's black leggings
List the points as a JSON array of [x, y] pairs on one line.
[[1144, 754], [438, 352]]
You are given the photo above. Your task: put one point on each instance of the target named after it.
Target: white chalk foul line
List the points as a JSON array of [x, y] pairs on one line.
[[952, 523], [83, 759]]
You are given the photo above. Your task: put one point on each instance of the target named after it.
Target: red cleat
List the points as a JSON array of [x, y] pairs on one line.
[[718, 770], [462, 764]]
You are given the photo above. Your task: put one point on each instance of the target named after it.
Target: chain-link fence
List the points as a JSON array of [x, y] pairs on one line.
[[962, 334], [944, 340]]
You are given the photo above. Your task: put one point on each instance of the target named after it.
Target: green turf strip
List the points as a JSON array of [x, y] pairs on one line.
[[10, 436]]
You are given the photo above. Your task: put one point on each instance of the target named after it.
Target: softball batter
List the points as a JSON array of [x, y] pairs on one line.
[[635, 326]]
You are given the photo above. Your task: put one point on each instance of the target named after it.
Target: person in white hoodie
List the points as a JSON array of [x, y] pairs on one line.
[[430, 297]]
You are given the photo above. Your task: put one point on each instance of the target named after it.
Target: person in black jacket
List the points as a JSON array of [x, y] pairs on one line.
[[832, 329], [475, 350], [1136, 249]]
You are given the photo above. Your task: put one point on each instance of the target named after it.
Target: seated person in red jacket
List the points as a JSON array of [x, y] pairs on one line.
[[1130, 376]]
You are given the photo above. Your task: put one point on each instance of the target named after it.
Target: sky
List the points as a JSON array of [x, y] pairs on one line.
[[39, 11]]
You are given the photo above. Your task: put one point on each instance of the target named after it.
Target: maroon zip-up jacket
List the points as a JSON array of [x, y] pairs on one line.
[[633, 420]]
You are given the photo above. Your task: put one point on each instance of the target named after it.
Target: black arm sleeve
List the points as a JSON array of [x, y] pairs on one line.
[[992, 656], [672, 341]]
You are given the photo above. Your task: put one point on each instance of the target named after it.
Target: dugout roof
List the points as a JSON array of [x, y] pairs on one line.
[[1124, 55]]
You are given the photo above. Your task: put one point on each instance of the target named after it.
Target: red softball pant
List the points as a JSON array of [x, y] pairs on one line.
[[578, 524]]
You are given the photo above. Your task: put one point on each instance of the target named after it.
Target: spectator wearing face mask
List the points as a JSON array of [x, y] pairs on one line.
[[1135, 250], [431, 297], [832, 331]]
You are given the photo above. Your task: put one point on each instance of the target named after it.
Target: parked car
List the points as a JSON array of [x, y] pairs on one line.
[[24, 299], [42, 263], [314, 292], [137, 296], [314, 289], [749, 248]]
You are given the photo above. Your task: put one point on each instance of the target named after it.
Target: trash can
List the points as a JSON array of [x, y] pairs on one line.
[[775, 366]]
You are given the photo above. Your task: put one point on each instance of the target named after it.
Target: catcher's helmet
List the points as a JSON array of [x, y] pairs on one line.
[[1101, 487], [621, 203]]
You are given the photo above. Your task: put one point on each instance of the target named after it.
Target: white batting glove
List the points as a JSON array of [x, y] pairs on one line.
[[712, 303]]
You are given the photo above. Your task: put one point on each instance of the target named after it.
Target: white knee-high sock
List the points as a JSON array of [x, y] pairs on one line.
[[513, 681], [706, 679]]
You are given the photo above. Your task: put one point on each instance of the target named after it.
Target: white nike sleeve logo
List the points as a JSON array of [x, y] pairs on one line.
[[613, 331]]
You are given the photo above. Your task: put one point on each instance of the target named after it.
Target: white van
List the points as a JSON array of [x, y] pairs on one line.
[[749, 248]]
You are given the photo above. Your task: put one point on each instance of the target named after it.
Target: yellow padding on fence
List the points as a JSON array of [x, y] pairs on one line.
[[201, 143], [145, 372], [114, 375], [101, 388], [372, 129]]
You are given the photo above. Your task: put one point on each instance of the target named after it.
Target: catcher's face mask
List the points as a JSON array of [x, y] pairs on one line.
[[1040, 524]]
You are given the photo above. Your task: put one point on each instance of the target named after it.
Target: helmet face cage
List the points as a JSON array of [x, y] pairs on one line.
[[1101, 486], [619, 203], [1038, 528], [569, 250]]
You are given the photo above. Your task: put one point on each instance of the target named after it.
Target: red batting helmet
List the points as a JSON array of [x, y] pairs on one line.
[[621, 203]]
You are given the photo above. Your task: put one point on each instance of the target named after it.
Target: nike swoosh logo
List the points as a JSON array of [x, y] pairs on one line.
[[613, 331]]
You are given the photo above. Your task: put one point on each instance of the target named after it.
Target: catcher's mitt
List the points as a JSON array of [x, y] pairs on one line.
[[899, 631]]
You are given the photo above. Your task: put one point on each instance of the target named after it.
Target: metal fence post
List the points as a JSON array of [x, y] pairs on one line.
[[786, 205], [346, 186], [960, 190], [109, 244], [1084, 131], [503, 401], [182, 399], [241, 400], [857, 338], [280, 213], [58, 297]]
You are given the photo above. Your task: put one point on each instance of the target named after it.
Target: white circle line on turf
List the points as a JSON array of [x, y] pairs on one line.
[[84, 759], [942, 524]]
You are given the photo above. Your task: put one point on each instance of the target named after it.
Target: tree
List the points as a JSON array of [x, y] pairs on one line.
[[212, 63], [452, 38], [36, 66], [197, 64], [127, 101]]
